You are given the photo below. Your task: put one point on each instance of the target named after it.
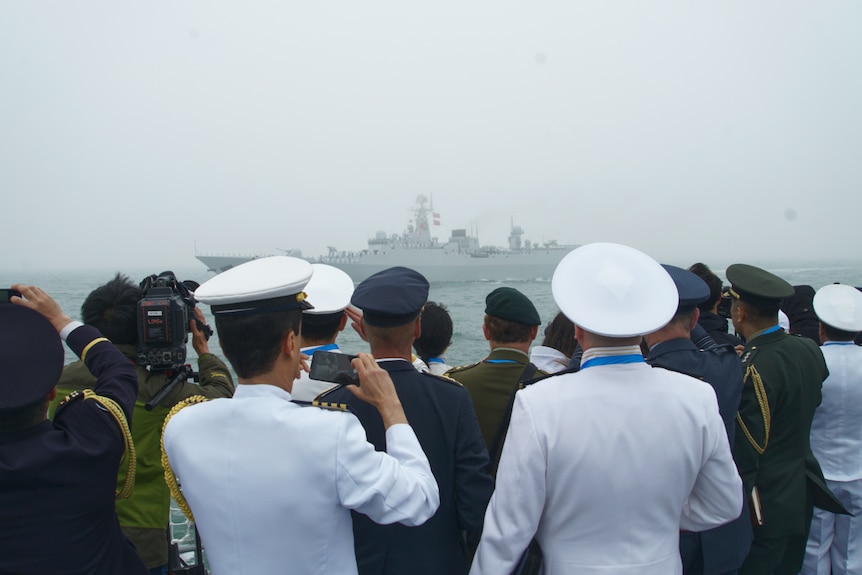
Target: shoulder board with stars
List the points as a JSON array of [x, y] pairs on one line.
[[75, 395]]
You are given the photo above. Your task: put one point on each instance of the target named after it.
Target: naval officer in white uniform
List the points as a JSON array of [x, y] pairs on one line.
[[271, 483], [329, 289], [605, 466], [835, 541]]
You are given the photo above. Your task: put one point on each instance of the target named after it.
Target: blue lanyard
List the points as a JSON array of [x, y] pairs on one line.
[[613, 360], [772, 329], [499, 361], [435, 360], [839, 343], [327, 347]]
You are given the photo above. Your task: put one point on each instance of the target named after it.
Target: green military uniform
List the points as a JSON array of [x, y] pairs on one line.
[[783, 377], [492, 382], [144, 516]]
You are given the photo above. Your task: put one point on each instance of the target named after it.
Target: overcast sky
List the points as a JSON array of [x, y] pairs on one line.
[[143, 131]]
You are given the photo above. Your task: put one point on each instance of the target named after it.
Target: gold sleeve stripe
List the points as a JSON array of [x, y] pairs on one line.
[[760, 392], [170, 478], [115, 410], [90, 345]]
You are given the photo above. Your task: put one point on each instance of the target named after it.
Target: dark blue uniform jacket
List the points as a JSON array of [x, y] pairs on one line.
[[442, 416], [58, 479], [724, 548]]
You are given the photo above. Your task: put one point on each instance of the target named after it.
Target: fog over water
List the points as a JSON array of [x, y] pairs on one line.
[[134, 134]]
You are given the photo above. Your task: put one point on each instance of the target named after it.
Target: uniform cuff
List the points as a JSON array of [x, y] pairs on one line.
[[69, 328]]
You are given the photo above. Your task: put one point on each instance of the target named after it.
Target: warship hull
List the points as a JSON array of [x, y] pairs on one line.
[[461, 258], [441, 267], [435, 265]]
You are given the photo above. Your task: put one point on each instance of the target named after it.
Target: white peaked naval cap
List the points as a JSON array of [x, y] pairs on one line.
[[330, 289], [839, 306], [614, 290], [264, 284]]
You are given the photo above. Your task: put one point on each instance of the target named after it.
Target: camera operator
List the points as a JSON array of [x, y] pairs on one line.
[[113, 309]]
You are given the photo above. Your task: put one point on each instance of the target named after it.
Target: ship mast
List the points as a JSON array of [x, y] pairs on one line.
[[422, 232]]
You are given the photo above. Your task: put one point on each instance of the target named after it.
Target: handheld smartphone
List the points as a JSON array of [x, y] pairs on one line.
[[333, 367], [6, 295]]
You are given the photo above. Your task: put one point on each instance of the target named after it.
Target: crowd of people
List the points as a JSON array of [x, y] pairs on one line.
[[640, 437]]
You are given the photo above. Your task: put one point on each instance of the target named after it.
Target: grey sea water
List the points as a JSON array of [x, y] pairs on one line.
[[465, 300]]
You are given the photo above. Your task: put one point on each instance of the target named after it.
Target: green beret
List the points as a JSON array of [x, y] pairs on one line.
[[510, 304], [757, 286]]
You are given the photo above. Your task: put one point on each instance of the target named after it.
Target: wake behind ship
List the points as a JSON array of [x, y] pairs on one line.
[[461, 258]]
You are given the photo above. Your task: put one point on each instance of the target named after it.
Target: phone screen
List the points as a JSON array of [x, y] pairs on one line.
[[6, 295], [333, 367]]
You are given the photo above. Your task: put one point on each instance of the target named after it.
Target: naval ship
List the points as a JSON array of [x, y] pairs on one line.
[[460, 258]]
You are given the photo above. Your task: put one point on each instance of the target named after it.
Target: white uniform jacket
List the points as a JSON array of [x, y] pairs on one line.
[[438, 367], [836, 431], [605, 466], [271, 483], [548, 359]]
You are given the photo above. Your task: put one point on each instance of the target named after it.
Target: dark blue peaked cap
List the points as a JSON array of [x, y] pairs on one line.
[[31, 356], [391, 297], [692, 290]]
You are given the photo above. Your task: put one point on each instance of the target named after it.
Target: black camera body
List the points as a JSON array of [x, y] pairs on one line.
[[724, 303], [164, 312]]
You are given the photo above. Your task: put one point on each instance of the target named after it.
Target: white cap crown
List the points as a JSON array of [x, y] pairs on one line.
[[614, 290], [839, 306]]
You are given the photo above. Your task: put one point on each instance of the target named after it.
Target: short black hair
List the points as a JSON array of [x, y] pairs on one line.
[[759, 312], [316, 327], [112, 308], [713, 282], [251, 342], [436, 332], [835, 334]]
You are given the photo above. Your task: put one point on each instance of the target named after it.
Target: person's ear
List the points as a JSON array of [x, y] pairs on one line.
[[290, 343]]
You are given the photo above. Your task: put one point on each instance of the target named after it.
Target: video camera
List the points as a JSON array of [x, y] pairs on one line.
[[164, 312]]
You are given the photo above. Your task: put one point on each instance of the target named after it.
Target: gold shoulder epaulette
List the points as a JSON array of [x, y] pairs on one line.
[[445, 378], [462, 367], [170, 478], [75, 395], [332, 406]]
